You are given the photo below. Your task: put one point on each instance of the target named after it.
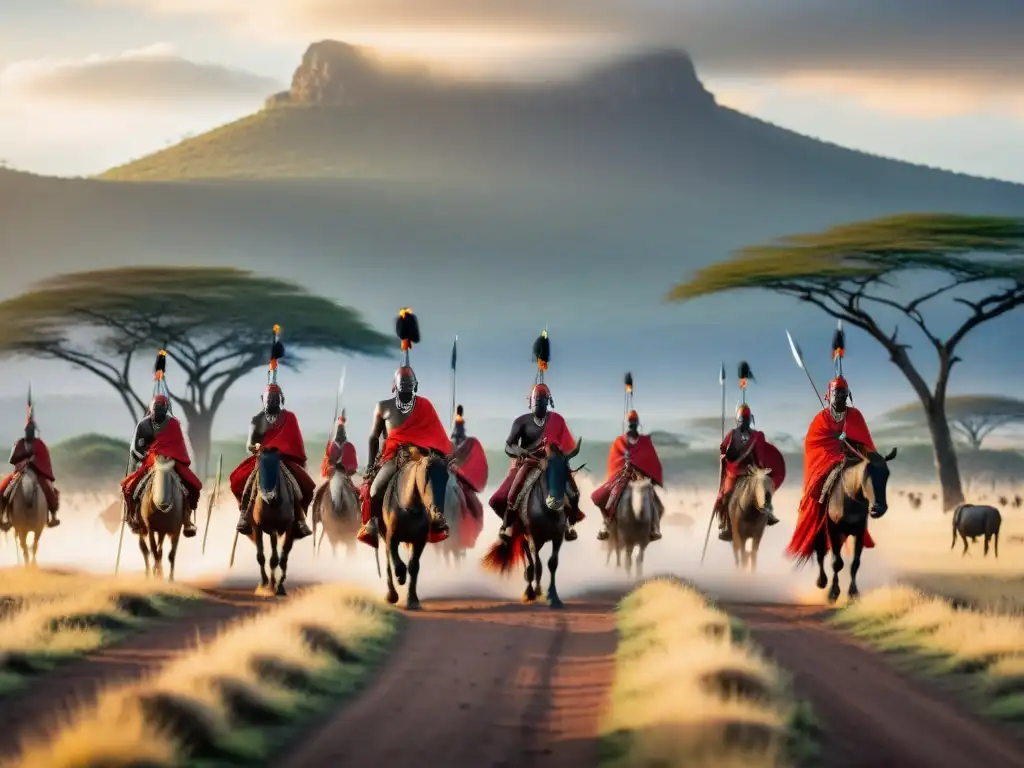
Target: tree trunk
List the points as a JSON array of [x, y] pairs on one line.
[[200, 429], [946, 463]]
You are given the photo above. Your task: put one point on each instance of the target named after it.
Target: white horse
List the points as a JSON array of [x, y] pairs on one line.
[[634, 515]]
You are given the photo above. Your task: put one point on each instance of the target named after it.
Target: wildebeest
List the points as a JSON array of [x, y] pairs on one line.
[[972, 521]]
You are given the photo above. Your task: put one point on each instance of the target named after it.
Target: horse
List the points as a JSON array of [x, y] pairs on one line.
[[541, 506], [336, 509], [28, 513], [162, 511], [273, 514], [632, 529], [422, 486], [750, 501], [859, 491]]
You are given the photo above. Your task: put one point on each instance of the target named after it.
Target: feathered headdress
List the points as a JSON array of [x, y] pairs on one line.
[[341, 419], [542, 355], [627, 400], [28, 406], [160, 390], [276, 353], [838, 353], [459, 419], [407, 329], [745, 376]]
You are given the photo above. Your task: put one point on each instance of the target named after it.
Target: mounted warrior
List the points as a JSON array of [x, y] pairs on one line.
[[30, 451], [159, 434], [340, 454], [403, 421], [837, 433], [275, 429], [527, 441], [469, 464], [631, 454], [741, 449]]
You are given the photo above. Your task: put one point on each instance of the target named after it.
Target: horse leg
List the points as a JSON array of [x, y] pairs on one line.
[[835, 536], [640, 561], [554, 601], [37, 534], [172, 553], [286, 548], [820, 548], [155, 548], [530, 595], [400, 570], [261, 558], [392, 596], [412, 599], [538, 569], [275, 560], [755, 544], [858, 547], [145, 554]]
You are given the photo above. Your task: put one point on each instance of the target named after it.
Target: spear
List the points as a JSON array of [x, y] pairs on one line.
[[711, 518], [124, 516], [212, 499], [798, 355], [455, 355]]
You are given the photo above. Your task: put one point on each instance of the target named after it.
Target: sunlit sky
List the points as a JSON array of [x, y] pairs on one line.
[[87, 84]]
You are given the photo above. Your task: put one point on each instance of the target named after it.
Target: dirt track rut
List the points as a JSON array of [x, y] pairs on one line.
[[873, 715], [51, 695], [485, 684]]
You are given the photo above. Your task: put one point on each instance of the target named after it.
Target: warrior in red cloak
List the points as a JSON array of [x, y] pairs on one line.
[[530, 435], [631, 454], [469, 463], [340, 453], [838, 430], [403, 420], [275, 429], [744, 447], [30, 451], [159, 433]]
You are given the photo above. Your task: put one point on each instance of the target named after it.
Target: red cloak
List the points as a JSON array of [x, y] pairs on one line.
[[469, 462], [556, 433], [169, 442], [39, 460], [471, 519], [423, 429], [346, 456], [822, 451], [763, 454], [642, 455], [285, 437]]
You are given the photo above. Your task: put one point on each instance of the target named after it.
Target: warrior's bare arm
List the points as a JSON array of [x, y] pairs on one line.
[[512, 446], [377, 431], [252, 442]]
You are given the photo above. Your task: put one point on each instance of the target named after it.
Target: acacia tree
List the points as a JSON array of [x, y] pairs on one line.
[[849, 272], [214, 323], [971, 417]]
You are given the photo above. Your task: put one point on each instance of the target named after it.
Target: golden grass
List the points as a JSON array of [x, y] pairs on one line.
[[231, 696], [988, 643], [688, 691]]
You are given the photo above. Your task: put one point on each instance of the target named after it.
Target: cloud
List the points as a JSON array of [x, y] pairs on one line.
[[156, 74]]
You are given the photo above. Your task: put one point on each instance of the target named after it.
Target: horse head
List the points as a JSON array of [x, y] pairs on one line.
[[763, 488], [163, 486], [270, 475], [876, 478], [432, 482], [557, 475]]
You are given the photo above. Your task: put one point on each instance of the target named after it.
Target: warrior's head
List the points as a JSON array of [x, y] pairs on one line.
[[160, 405], [540, 395], [273, 396], [30, 422], [340, 435], [837, 395], [158, 408], [744, 416], [633, 424], [459, 433], [407, 329]]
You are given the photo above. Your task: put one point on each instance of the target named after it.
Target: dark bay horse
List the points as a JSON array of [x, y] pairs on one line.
[[541, 507], [420, 488], [273, 513], [858, 492]]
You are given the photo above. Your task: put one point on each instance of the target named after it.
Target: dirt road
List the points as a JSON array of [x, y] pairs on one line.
[[873, 715], [52, 695], [483, 684]]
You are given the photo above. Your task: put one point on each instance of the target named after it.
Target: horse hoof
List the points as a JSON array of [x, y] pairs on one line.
[[281, 591], [529, 596], [853, 595], [413, 605], [554, 603], [833, 595], [392, 598], [822, 581]]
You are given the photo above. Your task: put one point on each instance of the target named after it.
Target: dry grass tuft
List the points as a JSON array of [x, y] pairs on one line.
[[687, 692], [231, 698]]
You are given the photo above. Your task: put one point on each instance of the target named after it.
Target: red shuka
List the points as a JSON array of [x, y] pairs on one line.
[[642, 455], [764, 454], [40, 461], [423, 429], [348, 459], [471, 519], [556, 433], [169, 442], [822, 451], [285, 437], [469, 461]]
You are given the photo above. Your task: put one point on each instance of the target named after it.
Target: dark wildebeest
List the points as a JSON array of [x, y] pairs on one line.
[[541, 519], [973, 520], [859, 491]]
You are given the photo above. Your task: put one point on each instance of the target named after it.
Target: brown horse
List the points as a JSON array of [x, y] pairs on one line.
[[634, 514], [274, 493], [336, 510], [420, 488], [858, 492], [162, 511], [28, 512], [749, 504]]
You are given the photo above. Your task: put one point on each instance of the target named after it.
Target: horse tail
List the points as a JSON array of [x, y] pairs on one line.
[[504, 556]]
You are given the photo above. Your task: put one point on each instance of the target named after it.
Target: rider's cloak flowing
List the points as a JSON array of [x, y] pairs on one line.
[[169, 442], [285, 437]]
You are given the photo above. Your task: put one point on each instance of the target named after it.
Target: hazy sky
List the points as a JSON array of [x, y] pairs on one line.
[[86, 84]]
